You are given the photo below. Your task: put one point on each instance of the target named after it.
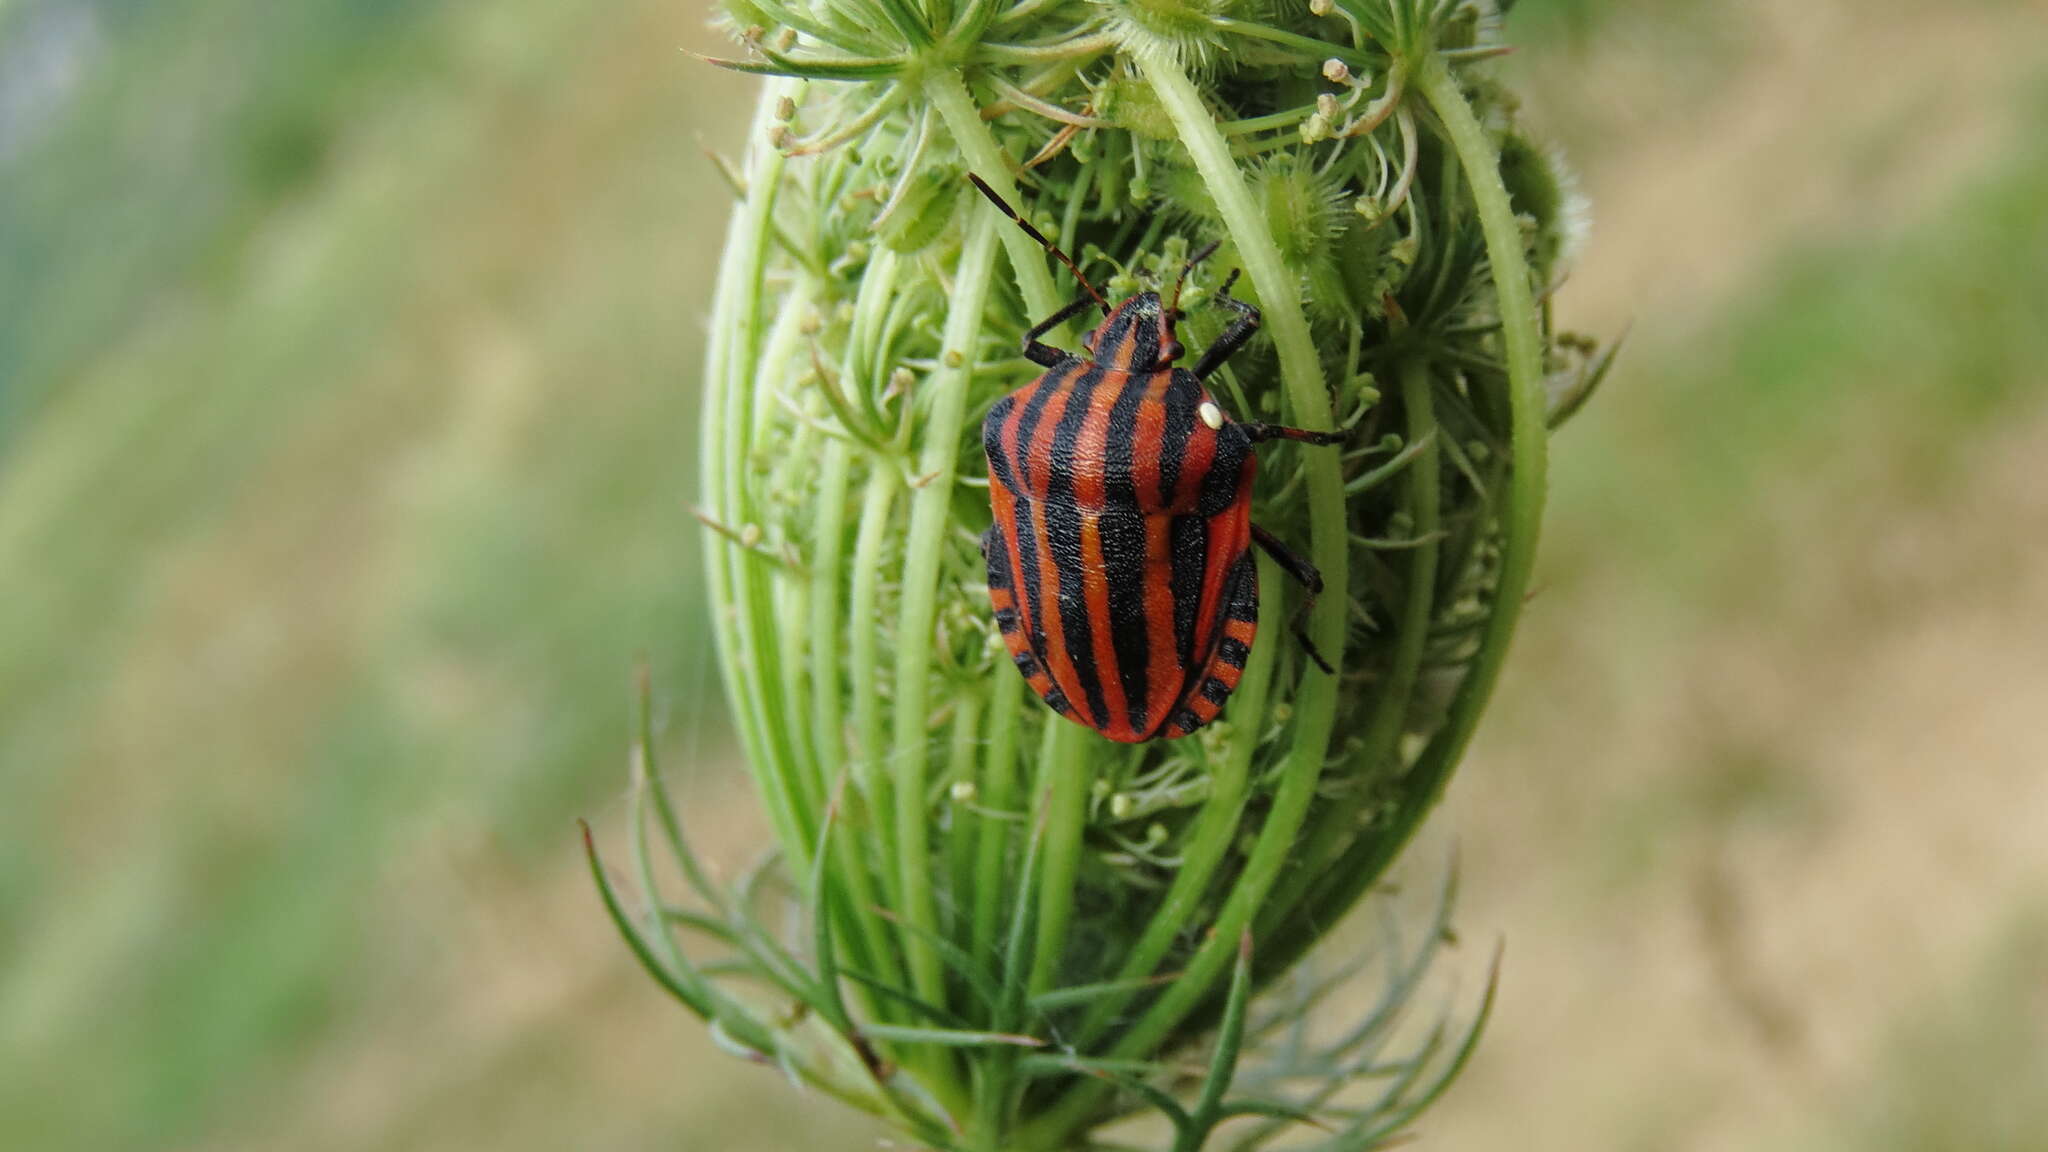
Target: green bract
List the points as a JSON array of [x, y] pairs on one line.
[[1014, 931]]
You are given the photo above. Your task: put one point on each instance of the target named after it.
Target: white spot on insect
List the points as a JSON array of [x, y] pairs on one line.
[[1210, 414]]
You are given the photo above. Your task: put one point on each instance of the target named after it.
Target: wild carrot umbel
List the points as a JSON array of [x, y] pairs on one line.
[[1010, 930]]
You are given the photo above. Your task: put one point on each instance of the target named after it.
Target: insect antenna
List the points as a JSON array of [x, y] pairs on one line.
[[1208, 250], [1044, 243]]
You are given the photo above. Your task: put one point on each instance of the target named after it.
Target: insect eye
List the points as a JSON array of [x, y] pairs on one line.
[[1088, 339], [1170, 352]]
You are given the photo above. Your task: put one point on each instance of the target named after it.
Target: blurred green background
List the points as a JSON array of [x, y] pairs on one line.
[[347, 399]]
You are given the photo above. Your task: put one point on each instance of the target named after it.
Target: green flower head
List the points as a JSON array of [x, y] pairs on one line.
[[1011, 930]]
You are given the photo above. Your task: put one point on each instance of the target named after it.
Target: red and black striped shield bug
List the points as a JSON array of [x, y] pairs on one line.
[[1119, 563]]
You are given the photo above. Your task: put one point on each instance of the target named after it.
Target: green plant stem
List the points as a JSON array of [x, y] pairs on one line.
[[1520, 520], [786, 599], [1338, 824], [948, 93], [877, 514], [998, 797], [827, 566], [735, 574], [1064, 774], [962, 846], [930, 509], [1529, 440]]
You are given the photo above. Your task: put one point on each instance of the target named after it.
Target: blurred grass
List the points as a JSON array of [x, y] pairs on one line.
[[346, 422], [348, 480]]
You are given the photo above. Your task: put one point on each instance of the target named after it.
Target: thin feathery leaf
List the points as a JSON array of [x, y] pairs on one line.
[[951, 1038]]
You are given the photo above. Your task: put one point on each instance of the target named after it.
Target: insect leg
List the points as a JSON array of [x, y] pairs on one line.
[[1046, 354], [1258, 433], [1233, 338], [1297, 566]]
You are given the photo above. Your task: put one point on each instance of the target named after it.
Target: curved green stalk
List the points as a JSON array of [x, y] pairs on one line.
[[961, 849], [1338, 825], [788, 599], [948, 93], [827, 565], [877, 515], [930, 509], [737, 326], [996, 799], [1064, 774], [1520, 521], [1529, 439]]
